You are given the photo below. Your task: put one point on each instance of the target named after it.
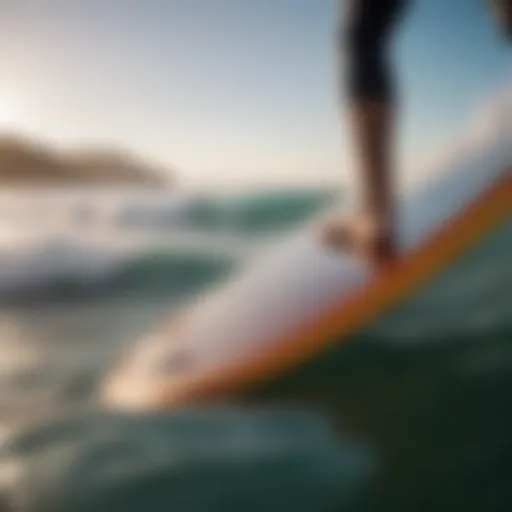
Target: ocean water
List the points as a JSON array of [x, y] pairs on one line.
[[83, 275]]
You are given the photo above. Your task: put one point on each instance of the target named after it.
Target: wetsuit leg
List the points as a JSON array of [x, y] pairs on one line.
[[501, 11], [367, 30]]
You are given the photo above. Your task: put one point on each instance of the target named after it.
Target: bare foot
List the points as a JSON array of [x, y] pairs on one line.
[[363, 236]]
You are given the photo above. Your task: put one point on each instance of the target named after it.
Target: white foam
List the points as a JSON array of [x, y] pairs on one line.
[[85, 237]]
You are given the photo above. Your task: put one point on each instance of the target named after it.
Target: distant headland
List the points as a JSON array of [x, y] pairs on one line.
[[27, 162]]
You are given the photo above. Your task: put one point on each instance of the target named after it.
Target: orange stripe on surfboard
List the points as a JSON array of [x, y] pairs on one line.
[[348, 316]]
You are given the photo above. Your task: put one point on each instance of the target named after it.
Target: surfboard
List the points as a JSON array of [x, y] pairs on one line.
[[300, 303]]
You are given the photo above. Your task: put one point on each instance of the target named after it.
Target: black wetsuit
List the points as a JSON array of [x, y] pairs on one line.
[[369, 25]]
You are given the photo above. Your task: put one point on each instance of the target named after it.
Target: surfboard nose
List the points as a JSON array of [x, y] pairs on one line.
[[157, 367]]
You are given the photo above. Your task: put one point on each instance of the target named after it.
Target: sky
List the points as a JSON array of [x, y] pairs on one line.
[[232, 90]]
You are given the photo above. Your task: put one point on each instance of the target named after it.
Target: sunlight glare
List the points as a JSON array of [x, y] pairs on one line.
[[9, 112]]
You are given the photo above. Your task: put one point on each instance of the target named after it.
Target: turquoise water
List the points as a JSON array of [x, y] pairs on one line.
[[426, 419]]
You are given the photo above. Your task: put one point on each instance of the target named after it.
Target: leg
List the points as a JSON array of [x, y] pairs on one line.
[[370, 90], [501, 11]]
